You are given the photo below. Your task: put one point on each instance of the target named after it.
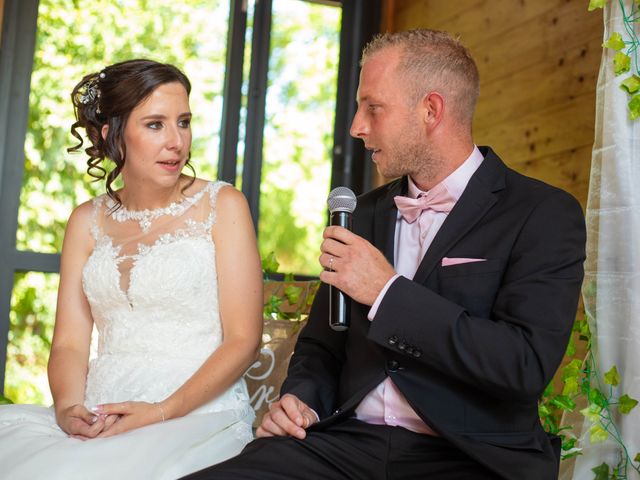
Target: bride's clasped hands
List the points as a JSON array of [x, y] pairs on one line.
[[110, 419]]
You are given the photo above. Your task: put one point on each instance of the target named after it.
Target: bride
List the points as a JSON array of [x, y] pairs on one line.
[[168, 271]]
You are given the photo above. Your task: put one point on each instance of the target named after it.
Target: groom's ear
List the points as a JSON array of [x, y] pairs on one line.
[[433, 109]]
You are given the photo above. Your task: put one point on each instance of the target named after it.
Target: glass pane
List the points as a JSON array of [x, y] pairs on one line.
[[298, 135], [31, 328], [75, 38]]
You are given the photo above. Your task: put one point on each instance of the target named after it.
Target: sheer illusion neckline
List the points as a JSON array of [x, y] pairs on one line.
[[146, 217]]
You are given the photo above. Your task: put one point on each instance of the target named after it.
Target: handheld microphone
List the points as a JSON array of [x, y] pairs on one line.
[[342, 202]]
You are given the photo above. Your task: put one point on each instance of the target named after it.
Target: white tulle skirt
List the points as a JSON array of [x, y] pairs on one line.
[[32, 446]]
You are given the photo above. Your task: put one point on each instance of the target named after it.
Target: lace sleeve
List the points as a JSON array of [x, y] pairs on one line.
[[214, 188], [96, 231]]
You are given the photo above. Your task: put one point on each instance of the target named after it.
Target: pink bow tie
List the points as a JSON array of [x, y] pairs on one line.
[[438, 199]]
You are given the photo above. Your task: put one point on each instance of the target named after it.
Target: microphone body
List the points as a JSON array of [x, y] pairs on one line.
[[339, 303], [342, 202]]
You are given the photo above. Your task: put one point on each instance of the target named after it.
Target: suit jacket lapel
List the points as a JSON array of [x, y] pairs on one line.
[[384, 219], [476, 200]]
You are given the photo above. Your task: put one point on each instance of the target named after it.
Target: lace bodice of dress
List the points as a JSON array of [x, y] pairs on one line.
[[152, 286]]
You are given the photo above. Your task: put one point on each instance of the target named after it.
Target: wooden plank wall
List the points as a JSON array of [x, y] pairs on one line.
[[538, 62]]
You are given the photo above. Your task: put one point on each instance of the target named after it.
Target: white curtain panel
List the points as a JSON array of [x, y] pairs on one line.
[[611, 289]]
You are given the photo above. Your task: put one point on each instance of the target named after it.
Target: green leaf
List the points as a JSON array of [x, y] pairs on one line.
[[592, 412], [634, 107], [615, 41], [582, 327], [272, 307], [550, 423], [292, 293], [593, 4], [548, 391], [597, 434], [572, 369], [601, 471], [270, 264], [571, 386], [631, 84], [312, 293], [637, 457], [577, 325], [569, 444], [621, 63], [575, 453], [586, 328], [543, 410], [563, 402], [626, 404], [571, 347], [612, 377], [597, 397], [4, 400]]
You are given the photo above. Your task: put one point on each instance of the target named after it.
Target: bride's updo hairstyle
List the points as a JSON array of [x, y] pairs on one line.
[[108, 97]]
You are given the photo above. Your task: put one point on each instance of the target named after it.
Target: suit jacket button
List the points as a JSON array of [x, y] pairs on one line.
[[393, 340], [409, 350], [402, 346], [417, 353], [337, 411], [392, 366]]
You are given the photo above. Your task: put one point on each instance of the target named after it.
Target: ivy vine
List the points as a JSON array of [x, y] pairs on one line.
[[581, 381], [626, 47], [290, 299]]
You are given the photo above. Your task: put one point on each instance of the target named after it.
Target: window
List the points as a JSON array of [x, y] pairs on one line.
[[286, 78], [298, 132]]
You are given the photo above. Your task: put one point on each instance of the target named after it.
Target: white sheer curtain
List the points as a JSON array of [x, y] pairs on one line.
[[612, 281]]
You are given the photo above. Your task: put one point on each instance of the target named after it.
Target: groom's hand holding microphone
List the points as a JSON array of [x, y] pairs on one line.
[[352, 264]]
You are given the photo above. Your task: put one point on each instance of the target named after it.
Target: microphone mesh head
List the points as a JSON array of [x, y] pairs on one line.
[[342, 199]]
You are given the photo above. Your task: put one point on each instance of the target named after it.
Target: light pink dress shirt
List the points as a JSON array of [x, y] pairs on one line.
[[385, 404]]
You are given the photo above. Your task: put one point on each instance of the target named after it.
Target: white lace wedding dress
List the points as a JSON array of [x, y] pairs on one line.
[[152, 287]]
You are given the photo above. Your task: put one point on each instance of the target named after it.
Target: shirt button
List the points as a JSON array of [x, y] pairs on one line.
[[392, 366]]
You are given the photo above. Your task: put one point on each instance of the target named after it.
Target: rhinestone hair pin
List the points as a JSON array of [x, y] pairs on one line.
[[92, 92]]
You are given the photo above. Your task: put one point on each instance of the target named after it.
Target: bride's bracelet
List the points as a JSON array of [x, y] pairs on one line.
[[161, 410]]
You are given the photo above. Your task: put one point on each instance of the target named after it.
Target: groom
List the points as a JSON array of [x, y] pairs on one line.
[[465, 278]]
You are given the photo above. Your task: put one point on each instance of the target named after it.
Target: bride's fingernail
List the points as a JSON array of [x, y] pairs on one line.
[[94, 418]]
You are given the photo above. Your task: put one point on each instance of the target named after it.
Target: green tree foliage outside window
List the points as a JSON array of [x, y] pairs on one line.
[[298, 134], [75, 38], [31, 328]]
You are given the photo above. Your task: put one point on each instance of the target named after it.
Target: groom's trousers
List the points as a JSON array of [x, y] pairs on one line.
[[350, 450]]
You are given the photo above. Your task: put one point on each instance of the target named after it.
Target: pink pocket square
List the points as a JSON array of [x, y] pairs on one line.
[[447, 262]]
